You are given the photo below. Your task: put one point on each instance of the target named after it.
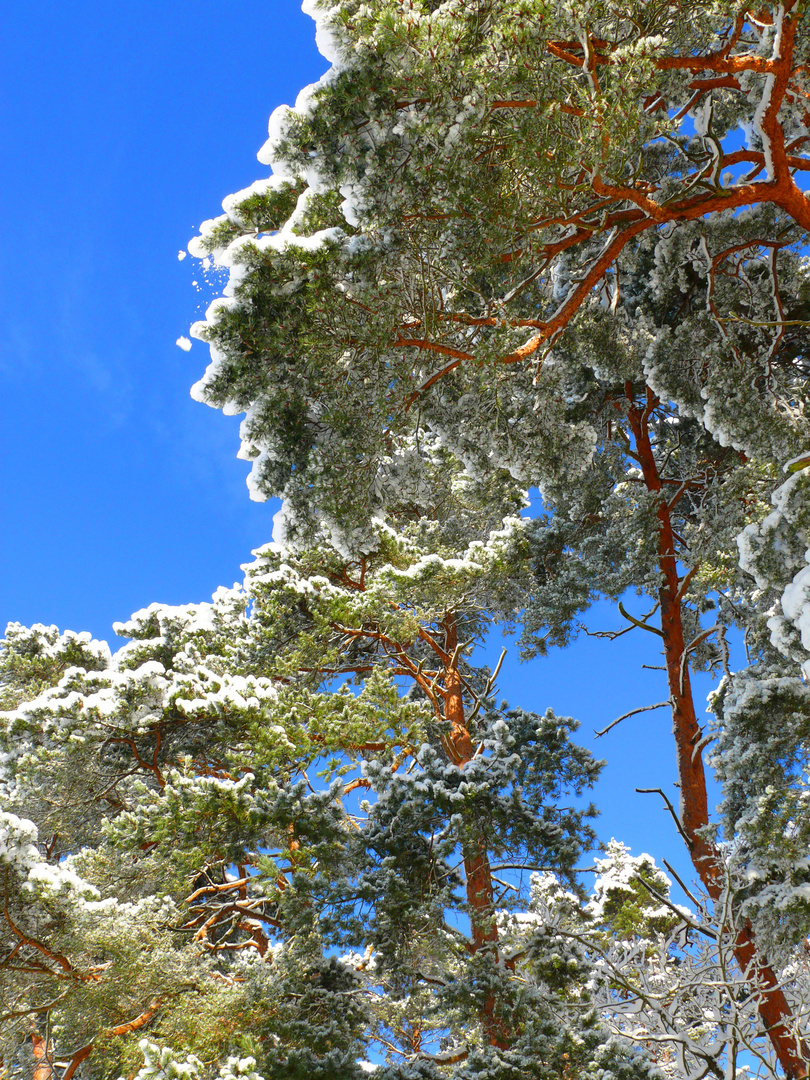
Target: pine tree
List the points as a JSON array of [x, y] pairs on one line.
[[186, 853], [529, 230], [506, 243]]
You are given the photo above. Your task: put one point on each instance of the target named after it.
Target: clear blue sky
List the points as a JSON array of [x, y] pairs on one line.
[[122, 127]]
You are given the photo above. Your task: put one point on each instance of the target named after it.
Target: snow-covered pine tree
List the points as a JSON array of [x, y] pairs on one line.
[[462, 182], [764, 764], [212, 840], [659, 508], [524, 236], [567, 240]]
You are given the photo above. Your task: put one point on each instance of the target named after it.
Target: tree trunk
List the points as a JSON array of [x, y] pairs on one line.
[[477, 871], [43, 1064], [772, 1004]]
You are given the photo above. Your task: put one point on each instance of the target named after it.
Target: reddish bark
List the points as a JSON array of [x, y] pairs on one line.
[[134, 1025], [76, 1060], [459, 743], [720, 70], [121, 1029], [686, 729], [43, 1063], [444, 687], [477, 870], [772, 1005]]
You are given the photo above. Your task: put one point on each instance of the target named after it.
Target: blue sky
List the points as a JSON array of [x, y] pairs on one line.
[[122, 127]]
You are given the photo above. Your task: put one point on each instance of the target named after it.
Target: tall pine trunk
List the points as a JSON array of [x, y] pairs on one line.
[[694, 814]]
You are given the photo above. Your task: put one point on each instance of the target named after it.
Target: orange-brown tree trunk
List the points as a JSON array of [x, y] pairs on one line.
[[43, 1064], [477, 872], [694, 814]]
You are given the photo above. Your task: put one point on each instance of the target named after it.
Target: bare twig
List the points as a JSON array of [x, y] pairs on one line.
[[633, 712], [675, 909], [679, 879], [670, 807], [642, 622]]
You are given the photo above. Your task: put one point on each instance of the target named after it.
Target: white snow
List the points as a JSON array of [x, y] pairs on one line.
[[183, 343], [231, 203]]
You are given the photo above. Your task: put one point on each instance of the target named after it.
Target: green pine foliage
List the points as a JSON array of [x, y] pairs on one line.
[[292, 833]]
